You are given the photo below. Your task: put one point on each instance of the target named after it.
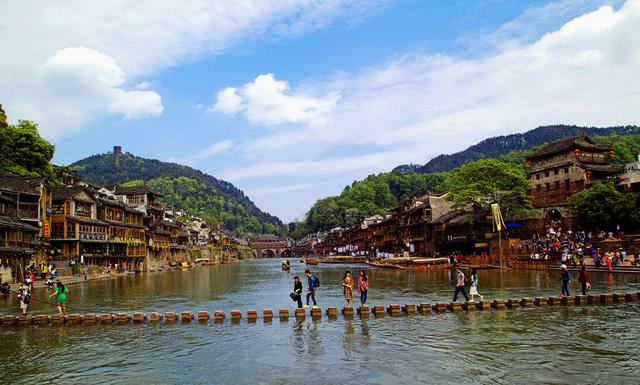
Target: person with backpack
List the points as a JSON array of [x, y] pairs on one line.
[[461, 280], [24, 297], [363, 287], [312, 284]]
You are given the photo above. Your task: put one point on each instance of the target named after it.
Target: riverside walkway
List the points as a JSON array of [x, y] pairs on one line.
[[283, 315]]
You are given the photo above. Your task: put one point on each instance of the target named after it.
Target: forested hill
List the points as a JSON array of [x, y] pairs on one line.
[[501, 145], [184, 188]]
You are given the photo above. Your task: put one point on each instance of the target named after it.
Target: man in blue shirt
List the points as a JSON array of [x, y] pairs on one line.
[[312, 283]]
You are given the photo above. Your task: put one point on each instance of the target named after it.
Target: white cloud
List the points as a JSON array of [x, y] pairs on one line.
[[71, 87], [584, 73], [228, 101], [142, 39], [270, 102], [215, 149]]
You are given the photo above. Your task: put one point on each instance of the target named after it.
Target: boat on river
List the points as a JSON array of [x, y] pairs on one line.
[[409, 262], [286, 266], [311, 261], [344, 259]]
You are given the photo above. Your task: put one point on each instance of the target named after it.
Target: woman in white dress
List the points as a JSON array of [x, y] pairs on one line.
[[474, 286]]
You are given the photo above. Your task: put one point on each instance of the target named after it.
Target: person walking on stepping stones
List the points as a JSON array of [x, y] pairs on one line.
[[583, 278], [297, 292], [474, 286], [565, 277], [312, 285], [347, 287], [460, 285], [61, 299], [363, 287]]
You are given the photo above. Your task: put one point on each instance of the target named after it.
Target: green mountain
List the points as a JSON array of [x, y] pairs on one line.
[[502, 145], [183, 188]]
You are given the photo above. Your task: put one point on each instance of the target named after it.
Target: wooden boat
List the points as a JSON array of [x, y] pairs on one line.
[[432, 263], [311, 261], [204, 261]]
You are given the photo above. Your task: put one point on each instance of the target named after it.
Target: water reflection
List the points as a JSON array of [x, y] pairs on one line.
[[533, 345]]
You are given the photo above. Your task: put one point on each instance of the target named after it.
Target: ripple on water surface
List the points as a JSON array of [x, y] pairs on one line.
[[589, 344]]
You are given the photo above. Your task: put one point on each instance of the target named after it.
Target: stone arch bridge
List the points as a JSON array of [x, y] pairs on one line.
[[270, 246]]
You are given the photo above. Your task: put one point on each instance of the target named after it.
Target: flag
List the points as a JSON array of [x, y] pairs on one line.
[[498, 222]]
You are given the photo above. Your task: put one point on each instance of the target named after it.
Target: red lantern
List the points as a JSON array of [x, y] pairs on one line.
[[612, 154], [529, 165], [577, 153], [588, 174]]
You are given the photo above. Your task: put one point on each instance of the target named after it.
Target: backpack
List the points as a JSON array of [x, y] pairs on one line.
[[466, 279], [317, 281]]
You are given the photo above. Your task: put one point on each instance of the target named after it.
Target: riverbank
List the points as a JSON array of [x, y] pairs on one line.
[[71, 280]]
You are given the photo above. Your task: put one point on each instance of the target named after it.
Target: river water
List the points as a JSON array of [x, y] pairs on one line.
[[586, 344]]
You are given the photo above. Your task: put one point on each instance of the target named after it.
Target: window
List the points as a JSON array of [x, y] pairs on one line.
[[567, 184], [566, 170], [556, 171], [546, 173], [538, 187], [538, 176], [547, 186], [557, 185]]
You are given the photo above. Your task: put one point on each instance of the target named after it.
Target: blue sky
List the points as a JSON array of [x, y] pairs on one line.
[[293, 100]]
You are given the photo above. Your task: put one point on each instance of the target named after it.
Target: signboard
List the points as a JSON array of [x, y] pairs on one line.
[[481, 244], [46, 229]]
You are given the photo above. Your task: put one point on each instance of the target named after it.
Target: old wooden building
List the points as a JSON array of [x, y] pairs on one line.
[[23, 216], [566, 166]]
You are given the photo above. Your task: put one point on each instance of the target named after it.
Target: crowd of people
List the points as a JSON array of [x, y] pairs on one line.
[[348, 286], [574, 248]]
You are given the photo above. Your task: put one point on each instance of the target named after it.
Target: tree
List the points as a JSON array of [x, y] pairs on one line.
[[488, 181], [23, 151], [602, 207]]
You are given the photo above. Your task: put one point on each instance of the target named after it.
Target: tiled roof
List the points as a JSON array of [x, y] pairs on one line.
[[582, 142], [15, 223], [65, 192], [20, 184]]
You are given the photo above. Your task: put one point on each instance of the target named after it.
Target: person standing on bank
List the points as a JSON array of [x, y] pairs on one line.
[[460, 286], [61, 299], [474, 286], [363, 287], [347, 288], [297, 291], [583, 278], [312, 285], [565, 277]]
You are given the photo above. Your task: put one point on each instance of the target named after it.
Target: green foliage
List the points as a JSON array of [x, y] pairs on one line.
[[626, 147], [23, 151], [488, 181], [133, 183], [184, 188], [205, 201], [377, 194], [602, 207]]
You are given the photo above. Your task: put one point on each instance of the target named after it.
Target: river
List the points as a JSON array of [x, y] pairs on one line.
[[568, 344]]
